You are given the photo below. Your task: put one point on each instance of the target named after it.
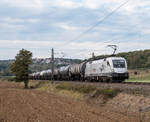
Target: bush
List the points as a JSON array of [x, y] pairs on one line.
[[7, 78], [82, 88], [110, 93], [76, 87], [11, 79]]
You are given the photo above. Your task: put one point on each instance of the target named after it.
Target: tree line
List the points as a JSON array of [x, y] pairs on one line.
[[135, 59]]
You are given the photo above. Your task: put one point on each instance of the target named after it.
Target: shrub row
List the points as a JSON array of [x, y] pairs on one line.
[[76, 87], [82, 88]]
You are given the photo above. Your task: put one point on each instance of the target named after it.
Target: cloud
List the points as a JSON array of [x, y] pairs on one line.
[[12, 20], [67, 4], [68, 27], [6, 28], [34, 4], [39, 25], [19, 20], [71, 50]]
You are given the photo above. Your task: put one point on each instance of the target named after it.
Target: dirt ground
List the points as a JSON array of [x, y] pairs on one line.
[[20, 105]]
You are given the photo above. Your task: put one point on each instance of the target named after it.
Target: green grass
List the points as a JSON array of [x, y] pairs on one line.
[[142, 76], [76, 87], [138, 80], [109, 92]]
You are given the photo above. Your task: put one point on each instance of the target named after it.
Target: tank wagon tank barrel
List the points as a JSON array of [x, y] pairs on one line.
[[64, 73], [77, 71]]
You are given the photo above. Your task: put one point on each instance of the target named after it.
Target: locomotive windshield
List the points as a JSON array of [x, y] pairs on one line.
[[119, 63]]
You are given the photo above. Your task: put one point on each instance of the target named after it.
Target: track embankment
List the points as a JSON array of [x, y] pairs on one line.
[[142, 88]]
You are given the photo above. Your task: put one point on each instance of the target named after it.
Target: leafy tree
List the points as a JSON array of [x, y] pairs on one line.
[[20, 67]]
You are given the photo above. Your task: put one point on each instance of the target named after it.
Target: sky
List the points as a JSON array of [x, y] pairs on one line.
[[39, 25]]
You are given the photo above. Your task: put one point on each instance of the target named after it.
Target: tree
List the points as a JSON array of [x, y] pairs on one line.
[[20, 67]]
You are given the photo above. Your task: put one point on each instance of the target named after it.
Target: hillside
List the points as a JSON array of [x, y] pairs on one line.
[[4, 67], [135, 59], [44, 64], [39, 64]]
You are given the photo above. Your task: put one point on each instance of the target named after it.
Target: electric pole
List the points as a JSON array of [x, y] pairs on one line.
[[52, 67]]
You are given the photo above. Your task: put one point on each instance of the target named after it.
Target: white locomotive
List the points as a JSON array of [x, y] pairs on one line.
[[109, 69]]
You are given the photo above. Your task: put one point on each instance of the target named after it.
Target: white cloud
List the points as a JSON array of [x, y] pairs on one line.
[[67, 26], [14, 25], [133, 45], [12, 20], [6, 27], [42, 4], [72, 50], [67, 4], [131, 7], [32, 4], [18, 20], [69, 19], [96, 4], [32, 20]]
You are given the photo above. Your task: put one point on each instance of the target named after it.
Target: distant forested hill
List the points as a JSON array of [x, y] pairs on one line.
[[4, 67], [135, 59]]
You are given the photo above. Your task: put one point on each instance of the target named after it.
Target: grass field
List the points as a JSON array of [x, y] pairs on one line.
[[139, 76]]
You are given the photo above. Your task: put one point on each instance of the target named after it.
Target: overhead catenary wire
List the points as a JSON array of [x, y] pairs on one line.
[[99, 22]]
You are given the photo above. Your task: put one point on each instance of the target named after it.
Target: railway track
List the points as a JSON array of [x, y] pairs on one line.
[[128, 83]]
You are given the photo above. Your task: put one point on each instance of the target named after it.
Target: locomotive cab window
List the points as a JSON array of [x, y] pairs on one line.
[[119, 63]]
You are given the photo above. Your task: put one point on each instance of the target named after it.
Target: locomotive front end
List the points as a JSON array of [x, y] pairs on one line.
[[119, 68]]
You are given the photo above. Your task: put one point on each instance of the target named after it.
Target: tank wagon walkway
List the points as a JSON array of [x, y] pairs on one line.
[[19, 105]]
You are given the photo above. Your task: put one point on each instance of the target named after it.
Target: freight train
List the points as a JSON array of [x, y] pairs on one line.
[[110, 69]]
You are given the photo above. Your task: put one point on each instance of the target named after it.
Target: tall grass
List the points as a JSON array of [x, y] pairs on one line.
[[141, 76], [76, 87], [87, 89]]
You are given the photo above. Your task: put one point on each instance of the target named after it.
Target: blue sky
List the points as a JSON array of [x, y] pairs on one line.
[[39, 25]]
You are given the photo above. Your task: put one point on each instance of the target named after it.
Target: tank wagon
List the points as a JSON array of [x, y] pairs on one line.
[[63, 73], [37, 75], [109, 69], [77, 71], [48, 74]]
